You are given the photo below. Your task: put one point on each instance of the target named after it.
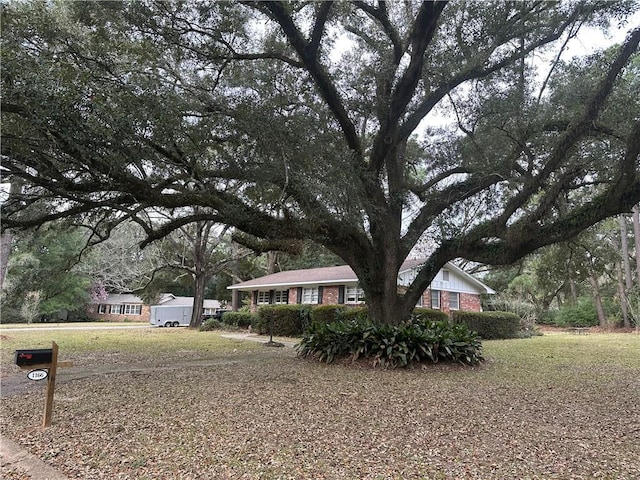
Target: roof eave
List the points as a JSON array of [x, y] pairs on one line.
[[291, 284]]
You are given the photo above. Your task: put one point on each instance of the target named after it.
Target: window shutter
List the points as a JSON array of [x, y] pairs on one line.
[[299, 295], [341, 294], [255, 297], [320, 292], [272, 296]]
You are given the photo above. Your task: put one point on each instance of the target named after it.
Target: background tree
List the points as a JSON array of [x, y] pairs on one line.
[[201, 249], [117, 264], [41, 276], [583, 274], [247, 112]]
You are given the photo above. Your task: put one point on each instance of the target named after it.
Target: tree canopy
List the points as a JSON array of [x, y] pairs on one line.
[[256, 114]]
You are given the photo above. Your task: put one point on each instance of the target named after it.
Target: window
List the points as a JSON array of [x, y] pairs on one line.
[[132, 309], [263, 298], [445, 275], [435, 299], [454, 301], [102, 308], [310, 295], [281, 297], [353, 294], [208, 311], [115, 309]]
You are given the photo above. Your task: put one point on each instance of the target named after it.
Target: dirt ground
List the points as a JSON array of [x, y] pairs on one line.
[[267, 414]]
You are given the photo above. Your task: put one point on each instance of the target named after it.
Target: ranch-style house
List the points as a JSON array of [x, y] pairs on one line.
[[451, 289]]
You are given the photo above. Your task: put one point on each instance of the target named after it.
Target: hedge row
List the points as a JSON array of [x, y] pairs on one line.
[[490, 325], [294, 320], [286, 320], [239, 319]]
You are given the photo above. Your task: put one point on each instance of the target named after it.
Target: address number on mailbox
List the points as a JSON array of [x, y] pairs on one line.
[[38, 374]]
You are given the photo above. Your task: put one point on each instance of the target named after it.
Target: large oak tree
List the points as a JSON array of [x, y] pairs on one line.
[[258, 115]]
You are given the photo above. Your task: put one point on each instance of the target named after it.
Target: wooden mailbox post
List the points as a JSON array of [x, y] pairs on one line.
[[37, 359]]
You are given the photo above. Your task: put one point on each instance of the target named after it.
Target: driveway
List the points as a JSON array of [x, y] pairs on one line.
[[18, 384], [75, 327]]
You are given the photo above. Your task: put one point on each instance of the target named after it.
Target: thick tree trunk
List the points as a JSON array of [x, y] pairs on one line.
[[624, 240], [5, 249], [624, 306], [573, 298], [382, 298], [200, 282], [379, 280], [602, 319], [235, 277], [636, 237], [272, 261]]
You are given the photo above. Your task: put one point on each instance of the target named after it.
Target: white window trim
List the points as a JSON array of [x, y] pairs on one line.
[[263, 297], [309, 295], [439, 297], [132, 309], [281, 297], [353, 295], [457, 296], [102, 309]]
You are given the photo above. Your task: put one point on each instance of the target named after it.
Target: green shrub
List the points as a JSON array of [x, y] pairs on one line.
[[582, 314], [490, 325], [81, 316], [11, 315], [239, 319], [211, 324], [391, 345], [546, 317], [327, 313], [287, 320], [423, 315], [526, 310], [356, 314]]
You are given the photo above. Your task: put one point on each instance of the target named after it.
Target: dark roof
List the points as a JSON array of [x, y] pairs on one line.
[[311, 276], [339, 275]]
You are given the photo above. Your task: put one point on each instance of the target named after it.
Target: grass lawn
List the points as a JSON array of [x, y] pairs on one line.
[[561, 406], [147, 344]]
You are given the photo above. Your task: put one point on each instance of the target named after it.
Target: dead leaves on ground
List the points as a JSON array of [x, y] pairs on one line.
[[283, 418]]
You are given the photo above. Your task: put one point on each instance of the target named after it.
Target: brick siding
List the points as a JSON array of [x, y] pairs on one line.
[[468, 301], [330, 295], [145, 316]]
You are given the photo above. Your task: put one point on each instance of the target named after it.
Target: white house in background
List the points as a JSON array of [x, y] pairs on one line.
[[116, 307], [451, 289]]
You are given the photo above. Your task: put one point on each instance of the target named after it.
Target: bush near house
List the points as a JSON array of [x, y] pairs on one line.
[[489, 325], [358, 314], [327, 313], [239, 319], [287, 320], [391, 345], [422, 314], [211, 324], [293, 320]]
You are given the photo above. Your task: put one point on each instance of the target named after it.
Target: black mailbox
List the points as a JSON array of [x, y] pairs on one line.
[[39, 356]]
